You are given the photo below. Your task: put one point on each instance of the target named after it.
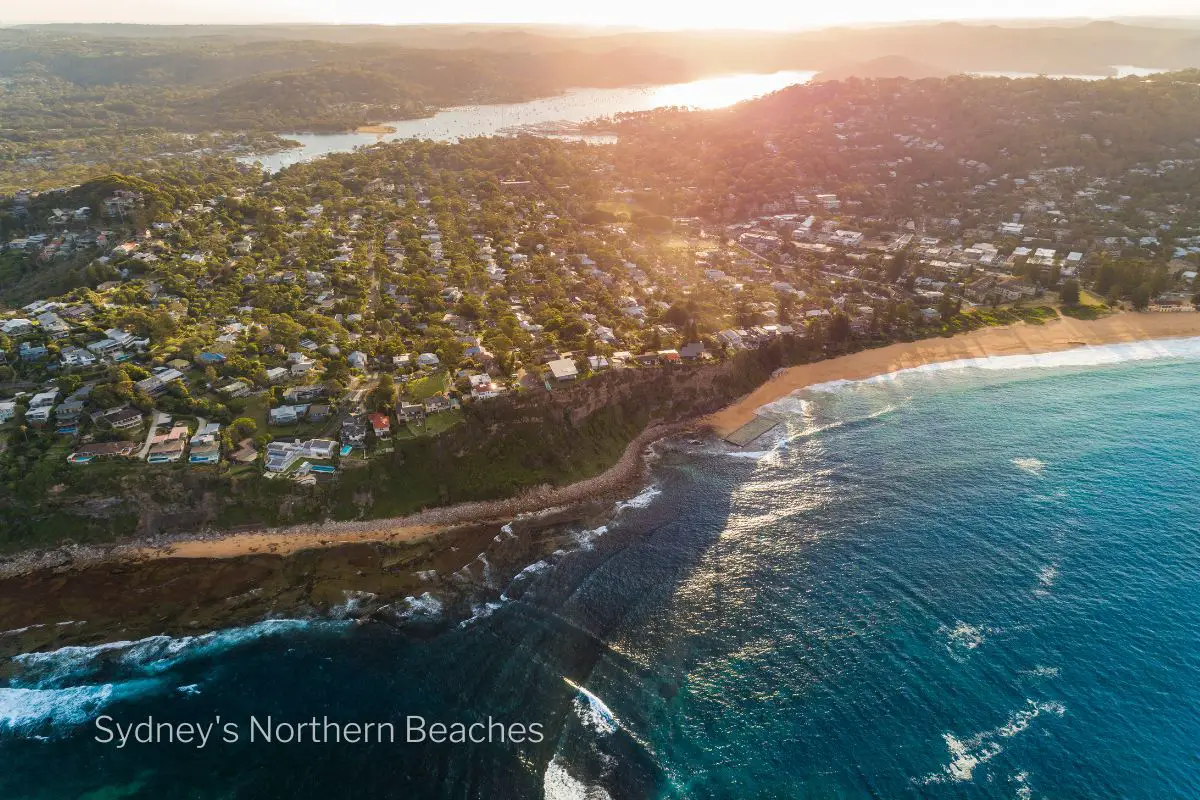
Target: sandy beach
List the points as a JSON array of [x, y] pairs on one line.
[[378, 130], [624, 476], [1064, 333]]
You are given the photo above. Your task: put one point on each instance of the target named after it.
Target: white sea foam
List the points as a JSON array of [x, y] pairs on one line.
[[535, 568], [558, 784], [1085, 356], [425, 606], [967, 754], [486, 566], [150, 656], [1034, 466], [962, 636], [1043, 672], [1024, 790], [190, 690], [482, 611], [353, 603], [35, 712], [1046, 578], [585, 539], [641, 500], [593, 713]]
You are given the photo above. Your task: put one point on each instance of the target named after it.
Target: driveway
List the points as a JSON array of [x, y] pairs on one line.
[[156, 419]]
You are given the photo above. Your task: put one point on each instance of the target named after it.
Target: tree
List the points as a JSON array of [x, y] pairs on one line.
[[383, 396], [1069, 293], [243, 427], [1140, 297], [897, 265], [947, 308], [839, 328]]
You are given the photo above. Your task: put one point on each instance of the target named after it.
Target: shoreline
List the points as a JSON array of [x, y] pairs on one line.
[[1065, 333], [421, 525], [1058, 335], [377, 129]]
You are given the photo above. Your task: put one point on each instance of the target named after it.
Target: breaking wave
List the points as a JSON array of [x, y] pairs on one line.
[[558, 784], [64, 688], [47, 712], [966, 755], [641, 500], [1034, 466], [143, 657], [592, 711], [1084, 356]]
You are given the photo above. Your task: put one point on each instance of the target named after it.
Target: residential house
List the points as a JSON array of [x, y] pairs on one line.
[[284, 415], [300, 364], [169, 446], [32, 352], [76, 357], [381, 425], [410, 412], [354, 431], [437, 403], [53, 325], [303, 394], [46, 398], [69, 411], [16, 327], [124, 418], [102, 450], [563, 369], [281, 455], [235, 389]]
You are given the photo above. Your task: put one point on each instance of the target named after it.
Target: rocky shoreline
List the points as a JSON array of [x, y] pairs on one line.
[[620, 477], [460, 560]]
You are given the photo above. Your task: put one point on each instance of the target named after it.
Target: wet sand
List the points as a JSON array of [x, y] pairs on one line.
[[627, 473], [1064, 333], [621, 478]]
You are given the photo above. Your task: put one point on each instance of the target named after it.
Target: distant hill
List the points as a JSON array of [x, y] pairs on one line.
[[884, 67]]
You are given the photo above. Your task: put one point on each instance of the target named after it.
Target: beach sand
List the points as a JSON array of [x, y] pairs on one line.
[[286, 542], [624, 476], [617, 479], [1064, 333], [378, 130]]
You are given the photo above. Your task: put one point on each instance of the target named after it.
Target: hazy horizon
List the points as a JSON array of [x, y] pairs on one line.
[[749, 15]]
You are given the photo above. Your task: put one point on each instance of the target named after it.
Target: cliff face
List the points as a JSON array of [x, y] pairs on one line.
[[504, 446]]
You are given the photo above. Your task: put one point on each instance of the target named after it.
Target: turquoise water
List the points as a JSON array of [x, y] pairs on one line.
[[949, 583]]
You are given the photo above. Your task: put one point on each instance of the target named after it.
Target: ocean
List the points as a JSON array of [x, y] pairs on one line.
[[978, 579]]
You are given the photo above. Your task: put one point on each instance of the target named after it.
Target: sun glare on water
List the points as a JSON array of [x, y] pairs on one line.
[[725, 90]]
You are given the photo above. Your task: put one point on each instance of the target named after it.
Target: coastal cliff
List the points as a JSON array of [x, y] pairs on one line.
[[505, 447]]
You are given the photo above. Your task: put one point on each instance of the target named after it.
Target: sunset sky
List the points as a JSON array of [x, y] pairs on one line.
[[767, 14]]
